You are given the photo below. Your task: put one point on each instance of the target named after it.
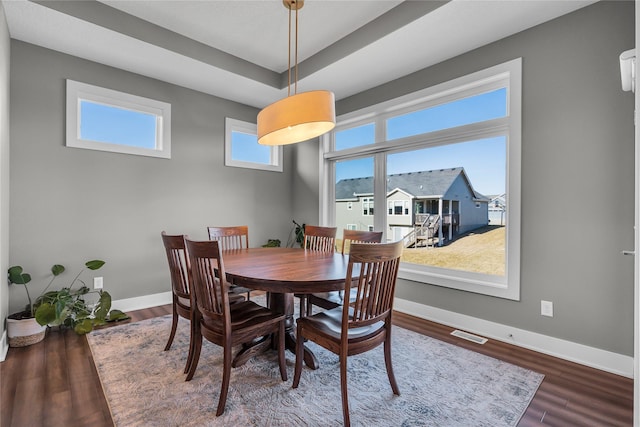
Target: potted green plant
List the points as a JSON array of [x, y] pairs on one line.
[[70, 306]]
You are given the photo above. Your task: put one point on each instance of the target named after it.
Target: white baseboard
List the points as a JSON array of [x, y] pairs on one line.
[[4, 346], [590, 356], [146, 301]]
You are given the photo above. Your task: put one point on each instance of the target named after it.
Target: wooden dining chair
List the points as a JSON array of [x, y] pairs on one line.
[[363, 324], [181, 296], [329, 300], [224, 324], [231, 238], [182, 304], [316, 238]]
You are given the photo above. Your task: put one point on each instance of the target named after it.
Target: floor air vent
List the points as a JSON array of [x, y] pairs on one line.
[[469, 337]]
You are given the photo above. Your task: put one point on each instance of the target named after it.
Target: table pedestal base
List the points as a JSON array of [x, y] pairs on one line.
[[282, 303]]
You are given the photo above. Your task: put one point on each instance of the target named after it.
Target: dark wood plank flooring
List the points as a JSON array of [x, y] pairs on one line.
[[55, 383]]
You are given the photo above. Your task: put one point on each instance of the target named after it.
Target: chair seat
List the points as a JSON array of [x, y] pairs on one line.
[[185, 303], [329, 323], [330, 300], [245, 315], [334, 296]]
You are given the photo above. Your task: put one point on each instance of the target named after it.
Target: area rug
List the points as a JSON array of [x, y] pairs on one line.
[[440, 384]]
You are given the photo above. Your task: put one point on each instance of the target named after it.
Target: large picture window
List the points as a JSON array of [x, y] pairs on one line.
[[440, 163], [108, 120]]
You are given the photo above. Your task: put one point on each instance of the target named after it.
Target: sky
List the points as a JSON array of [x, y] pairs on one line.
[[484, 160], [105, 123]]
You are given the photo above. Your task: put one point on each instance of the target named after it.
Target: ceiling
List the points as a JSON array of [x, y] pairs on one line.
[[238, 49]]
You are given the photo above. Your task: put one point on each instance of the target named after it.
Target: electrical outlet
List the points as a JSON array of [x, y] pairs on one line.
[[546, 308], [97, 283]]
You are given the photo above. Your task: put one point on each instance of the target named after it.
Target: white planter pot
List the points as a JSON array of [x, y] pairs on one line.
[[24, 332]]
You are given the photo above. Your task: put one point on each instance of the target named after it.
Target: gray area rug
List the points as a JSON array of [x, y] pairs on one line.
[[440, 384]]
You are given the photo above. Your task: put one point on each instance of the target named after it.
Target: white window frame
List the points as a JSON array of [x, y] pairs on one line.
[[234, 125], [366, 203], [77, 92], [507, 75]]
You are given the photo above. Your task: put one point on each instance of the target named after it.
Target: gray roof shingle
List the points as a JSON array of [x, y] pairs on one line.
[[418, 184]]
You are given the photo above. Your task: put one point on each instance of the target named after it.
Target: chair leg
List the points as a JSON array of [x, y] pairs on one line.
[[299, 357], [174, 326], [388, 364], [281, 358], [343, 389], [192, 323], [226, 376], [197, 346]]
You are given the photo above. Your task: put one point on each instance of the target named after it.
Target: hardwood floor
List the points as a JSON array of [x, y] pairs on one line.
[[55, 383]]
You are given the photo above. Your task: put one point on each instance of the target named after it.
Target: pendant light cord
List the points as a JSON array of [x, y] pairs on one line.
[[296, 77], [289, 58]]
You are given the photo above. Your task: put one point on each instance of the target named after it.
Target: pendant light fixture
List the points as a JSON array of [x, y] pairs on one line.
[[300, 116]]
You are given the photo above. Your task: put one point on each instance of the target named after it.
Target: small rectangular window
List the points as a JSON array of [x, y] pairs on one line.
[[243, 151], [108, 120]]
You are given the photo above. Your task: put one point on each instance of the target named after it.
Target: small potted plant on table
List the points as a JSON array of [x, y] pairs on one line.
[[67, 307]]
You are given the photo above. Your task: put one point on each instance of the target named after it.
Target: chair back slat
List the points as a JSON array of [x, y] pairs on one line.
[[210, 291], [230, 238], [359, 236], [178, 264], [376, 282], [321, 239]]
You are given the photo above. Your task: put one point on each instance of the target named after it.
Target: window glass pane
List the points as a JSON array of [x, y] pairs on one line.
[[486, 106], [355, 137], [241, 148], [354, 187], [245, 148], [449, 190], [114, 125]]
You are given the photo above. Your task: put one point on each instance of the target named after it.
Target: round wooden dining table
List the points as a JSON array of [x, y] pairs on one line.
[[282, 272]]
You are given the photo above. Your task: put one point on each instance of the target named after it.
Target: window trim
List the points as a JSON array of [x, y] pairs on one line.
[[77, 91], [234, 125], [509, 75]]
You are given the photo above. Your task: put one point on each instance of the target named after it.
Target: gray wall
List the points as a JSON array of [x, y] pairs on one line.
[[4, 164], [305, 190], [578, 159], [70, 205]]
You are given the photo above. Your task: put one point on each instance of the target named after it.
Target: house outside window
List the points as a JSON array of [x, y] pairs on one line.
[[399, 207], [443, 150], [367, 206]]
